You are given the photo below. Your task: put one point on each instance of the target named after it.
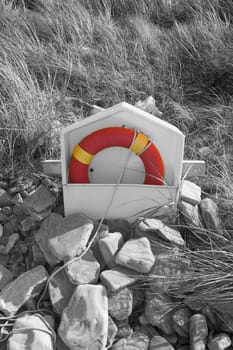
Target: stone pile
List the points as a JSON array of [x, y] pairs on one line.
[[57, 294]]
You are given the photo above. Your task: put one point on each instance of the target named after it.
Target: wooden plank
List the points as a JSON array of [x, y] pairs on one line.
[[191, 168]]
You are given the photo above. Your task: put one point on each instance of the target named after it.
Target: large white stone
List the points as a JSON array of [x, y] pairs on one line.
[[15, 294], [136, 254], [84, 322]]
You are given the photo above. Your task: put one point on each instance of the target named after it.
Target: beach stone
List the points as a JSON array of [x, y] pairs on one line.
[[103, 232], [17, 199], [136, 254], [28, 285], [221, 341], [5, 198], [119, 277], [60, 344], [1, 230], [84, 322], [120, 225], [7, 229], [48, 229], [37, 256], [169, 270], [3, 217], [137, 341], [190, 192], [210, 315], [84, 270], [39, 200], [160, 343], [198, 332], [190, 214], [124, 329], [158, 228], [181, 319], [209, 214], [12, 239], [27, 334], [109, 246], [158, 311], [5, 276], [120, 304], [112, 332], [60, 291], [7, 210], [72, 235]]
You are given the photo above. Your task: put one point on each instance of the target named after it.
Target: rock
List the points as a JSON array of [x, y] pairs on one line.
[[37, 256], [120, 304], [159, 312], [190, 192], [137, 341], [103, 232], [12, 239], [120, 225], [169, 271], [60, 291], [3, 184], [1, 230], [158, 228], [39, 200], [136, 254], [7, 229], [190, 213], [60, 344], [219, 342], [27, 285], [48, 229], [84, 322], [118, 278], [17, 199], [148, 105], [181, 319], [5, 198], [7, 210], [112, 332], [124, 329], [84, 270], [27, 334], [160, 343], [209, 214], [72, 235], [210, 315], [109, 246], [3, 217], [5, 276], [198, 332]]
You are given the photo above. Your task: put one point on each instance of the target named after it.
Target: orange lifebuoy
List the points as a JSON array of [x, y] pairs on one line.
[[95, 142]]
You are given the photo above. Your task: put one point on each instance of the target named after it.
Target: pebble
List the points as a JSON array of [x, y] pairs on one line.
[[112, 332], [7, 210], [5, 276], [72, 235], [190, 192], [198, 331], [109, 246], [84, 321], [136, 254], [120, 225], [84, 270], [27, 333], [157, 227], [181, 319], [160, 343], [158, 311], [137, 341], [5, 198], [39, 200], [29, 284], [209, 214], [120, 304], [12, 239], [221, 341], [119, 277], [60, 291]]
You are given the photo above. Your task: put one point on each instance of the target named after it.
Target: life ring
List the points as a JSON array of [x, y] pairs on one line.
[[95, 142]]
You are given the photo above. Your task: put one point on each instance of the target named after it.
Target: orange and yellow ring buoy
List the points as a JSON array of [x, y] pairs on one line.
[[95, 142]]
